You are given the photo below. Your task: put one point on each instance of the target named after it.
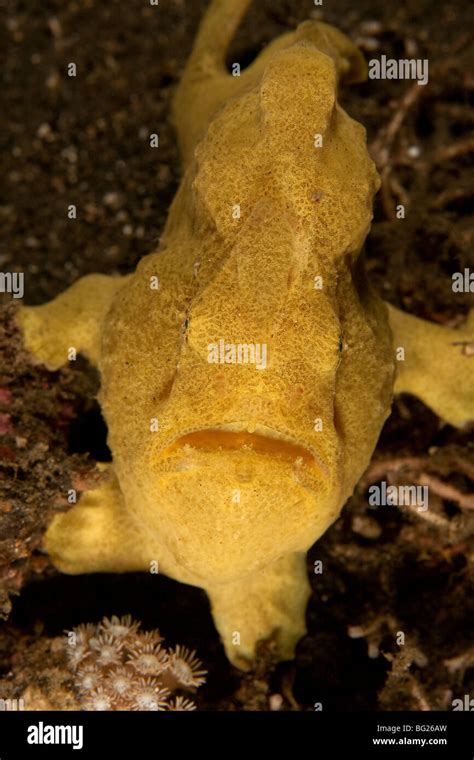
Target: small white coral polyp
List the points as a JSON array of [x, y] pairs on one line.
[[186, 667], [88, 677], [181, 704], [108, 649], [98, 699], [118, 667], [148, 659], [119, 680], [77, 650], [119, 628], [149, 695]]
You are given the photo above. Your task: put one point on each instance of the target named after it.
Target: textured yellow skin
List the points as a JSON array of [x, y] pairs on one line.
[[234, 509]]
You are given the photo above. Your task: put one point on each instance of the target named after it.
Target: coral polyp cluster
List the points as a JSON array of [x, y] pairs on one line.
[[118, 667]]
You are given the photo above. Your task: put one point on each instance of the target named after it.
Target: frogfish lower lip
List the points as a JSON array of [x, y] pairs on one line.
[[221, 439]]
